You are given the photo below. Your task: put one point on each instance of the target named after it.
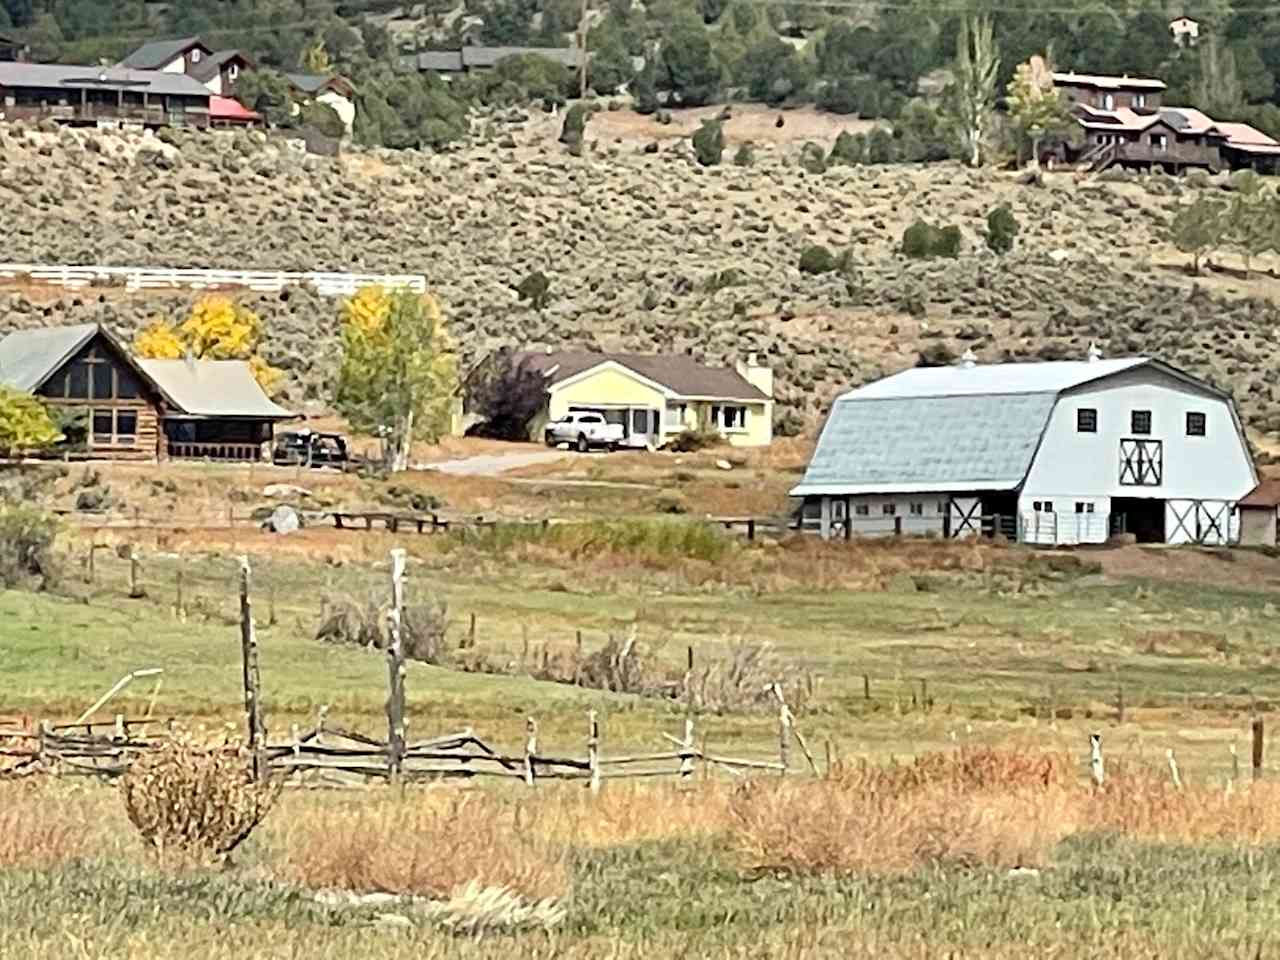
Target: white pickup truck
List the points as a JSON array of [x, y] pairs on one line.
[[582, 431]]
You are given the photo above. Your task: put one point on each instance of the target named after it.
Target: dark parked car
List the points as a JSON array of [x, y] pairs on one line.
[[310, 449]]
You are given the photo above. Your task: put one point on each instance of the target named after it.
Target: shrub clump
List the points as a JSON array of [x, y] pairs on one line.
[[817, 259], [1002, 228], [708, 143], [922, 240], [26, 548], [196, 799], [422, 627], [746, 156], [575, 125], [812, 159], [691, 441]]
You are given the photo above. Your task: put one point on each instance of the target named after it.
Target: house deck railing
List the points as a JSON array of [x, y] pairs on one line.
[[240, 452], [148, 278]]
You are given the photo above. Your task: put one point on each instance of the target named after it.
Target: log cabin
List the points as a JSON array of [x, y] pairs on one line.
[[94, 96], [140, 409]]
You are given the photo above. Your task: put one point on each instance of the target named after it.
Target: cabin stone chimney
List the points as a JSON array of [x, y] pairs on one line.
[[756, 374]]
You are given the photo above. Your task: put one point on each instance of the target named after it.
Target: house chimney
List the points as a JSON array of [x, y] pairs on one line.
[[1094, 353], [968, 360], [759, 376]]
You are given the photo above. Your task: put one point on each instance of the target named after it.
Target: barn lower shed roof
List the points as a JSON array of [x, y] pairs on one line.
[[927, 444]]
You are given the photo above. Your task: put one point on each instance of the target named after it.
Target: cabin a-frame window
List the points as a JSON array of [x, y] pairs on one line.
[[1086, 420]]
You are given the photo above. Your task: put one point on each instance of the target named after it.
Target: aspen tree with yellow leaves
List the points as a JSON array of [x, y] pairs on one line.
[[217, 328], [399, 370]]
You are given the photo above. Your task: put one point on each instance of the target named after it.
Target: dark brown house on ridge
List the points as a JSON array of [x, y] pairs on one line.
[[140, 409]]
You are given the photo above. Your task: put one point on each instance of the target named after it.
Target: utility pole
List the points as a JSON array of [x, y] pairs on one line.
[[582, 52]]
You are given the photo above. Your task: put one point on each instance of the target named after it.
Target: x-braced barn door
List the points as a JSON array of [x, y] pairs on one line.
[[1141, 463], [963, 517], [1201, 522]]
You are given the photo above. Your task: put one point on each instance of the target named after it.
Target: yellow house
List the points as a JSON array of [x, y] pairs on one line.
[[657, 397]]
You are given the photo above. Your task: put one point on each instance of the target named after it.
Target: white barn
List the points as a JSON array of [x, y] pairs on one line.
[[1053, 453]]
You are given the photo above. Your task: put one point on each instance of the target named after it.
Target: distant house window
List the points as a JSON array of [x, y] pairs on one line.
[[195, 56], [1087, 420], [942, 507], [1108, 101], [735, 418], [114, 428], [1140, 100], [1140, 422], [888, 509], [1195, 424], [233, 71], [862, 509], [917, 509], [1084, 507], [1042, 506], [1159, 142]]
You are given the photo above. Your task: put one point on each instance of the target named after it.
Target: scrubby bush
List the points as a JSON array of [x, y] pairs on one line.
[[197, 799], [422, 627], [536, 289], [922, 240], [691, 441], [745, 157], [812, 159], [1002, 228], [708, 143], [817, 259], [26, 548], [850, 148], [575, 124]]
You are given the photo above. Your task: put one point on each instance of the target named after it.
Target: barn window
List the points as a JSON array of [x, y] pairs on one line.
[[1086, 420], [888, 509], [1195, 424], [862, 509], [942, 507], [917, 509], [1042, 506], [1082, 507], [1140, 421]]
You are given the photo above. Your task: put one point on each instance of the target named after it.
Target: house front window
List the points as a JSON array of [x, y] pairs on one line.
[[675, 416], [730, 419], [1087, 420], [114, 428], [1159, 142], [1195, 424], [1108, 102], [1140, 100], [1140, 422]]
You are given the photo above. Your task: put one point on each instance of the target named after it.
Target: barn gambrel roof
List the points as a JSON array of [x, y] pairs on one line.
[[948, 429]]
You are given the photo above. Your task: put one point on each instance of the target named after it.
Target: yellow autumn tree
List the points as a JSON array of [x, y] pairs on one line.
[[399, 369], [217, 328]]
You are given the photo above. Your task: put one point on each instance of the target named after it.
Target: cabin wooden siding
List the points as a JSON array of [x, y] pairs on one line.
[[99, 380], [1176, 150], [84, 106]]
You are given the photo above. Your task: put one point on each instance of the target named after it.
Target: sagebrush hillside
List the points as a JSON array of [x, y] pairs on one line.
[[644, 250]]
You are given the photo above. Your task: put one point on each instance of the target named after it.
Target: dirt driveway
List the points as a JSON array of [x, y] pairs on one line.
[[492, 465]]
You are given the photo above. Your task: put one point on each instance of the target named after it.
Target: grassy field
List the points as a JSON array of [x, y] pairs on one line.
[[976, 854]]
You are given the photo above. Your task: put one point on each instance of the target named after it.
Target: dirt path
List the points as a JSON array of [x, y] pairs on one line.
[[492, 465]]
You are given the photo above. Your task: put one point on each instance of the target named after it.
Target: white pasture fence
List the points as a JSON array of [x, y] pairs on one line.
[[264, 281]]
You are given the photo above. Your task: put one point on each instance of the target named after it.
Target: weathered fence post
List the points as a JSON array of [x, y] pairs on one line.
[[177, 595], [1235, 761], [1095, 759], [1173, 769], [135, 588], [471, 632], [88, 570], [593, 751], [1120, 703], [577, 659], [866, 686], [251, 678], [1256, 729], [320, 719], [395, 669], [784, 731], [530, 748], [120, 732], [687, 765]]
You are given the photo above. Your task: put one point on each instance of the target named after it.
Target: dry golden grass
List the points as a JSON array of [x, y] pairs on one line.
[[425, 843], [628, 813], [37, 833], [979, 807]]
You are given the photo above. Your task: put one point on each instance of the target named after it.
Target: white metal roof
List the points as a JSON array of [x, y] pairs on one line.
[[29, 357], [991, 379], [213, 388], [1108, 82]]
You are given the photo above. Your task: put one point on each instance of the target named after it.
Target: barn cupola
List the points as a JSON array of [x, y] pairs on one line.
[[1094, 353], [968, 359]]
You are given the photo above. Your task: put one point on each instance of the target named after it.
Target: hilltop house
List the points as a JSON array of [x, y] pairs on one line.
[[1052, 453], [11, 48], [139, 409], [655, 397], [218, 71], [449, 63], [100, 96], [1185, 31], [1125, 122]]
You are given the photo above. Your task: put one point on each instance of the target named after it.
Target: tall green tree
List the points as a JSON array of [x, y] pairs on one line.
[[973, 94], [399, 373], [1035, 107], [689, 64]]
